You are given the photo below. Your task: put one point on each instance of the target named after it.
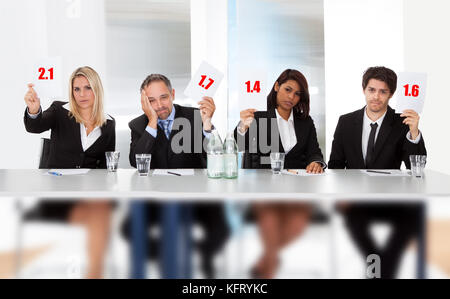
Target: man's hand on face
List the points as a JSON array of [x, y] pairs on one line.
[[207, 108], [149, 111]]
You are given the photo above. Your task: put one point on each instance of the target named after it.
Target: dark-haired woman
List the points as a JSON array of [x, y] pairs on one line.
[[288, 111]]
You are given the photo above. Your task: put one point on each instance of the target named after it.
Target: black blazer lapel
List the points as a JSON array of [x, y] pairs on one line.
[[383, 134], [178, 114], [300, 131], [76, 127], [358, 136], [105, 130], [272, 120]]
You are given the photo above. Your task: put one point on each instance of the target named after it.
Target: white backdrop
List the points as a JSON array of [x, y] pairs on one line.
[[30, 31], [409, 35], [358, 34], [427, 49]]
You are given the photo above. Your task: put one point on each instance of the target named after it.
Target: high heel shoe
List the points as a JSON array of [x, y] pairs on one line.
[[257, 273]]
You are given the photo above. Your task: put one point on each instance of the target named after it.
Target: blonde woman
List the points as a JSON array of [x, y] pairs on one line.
[[80, 135]]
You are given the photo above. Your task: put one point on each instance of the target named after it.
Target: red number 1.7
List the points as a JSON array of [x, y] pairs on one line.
[[414, 91], [42, 73], [211, 81]]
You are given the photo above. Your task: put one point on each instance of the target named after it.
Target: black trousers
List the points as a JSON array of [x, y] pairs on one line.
[[210, 216], [404, 222]]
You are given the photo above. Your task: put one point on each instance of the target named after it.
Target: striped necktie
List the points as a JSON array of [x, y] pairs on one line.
[[165, 125]]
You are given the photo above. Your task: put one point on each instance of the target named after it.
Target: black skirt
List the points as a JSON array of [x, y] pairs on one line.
[[51, 211]]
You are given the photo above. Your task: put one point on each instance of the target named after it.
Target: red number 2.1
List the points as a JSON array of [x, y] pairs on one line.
[[414, 91], [42, 73], [256, 87], [211, 81]]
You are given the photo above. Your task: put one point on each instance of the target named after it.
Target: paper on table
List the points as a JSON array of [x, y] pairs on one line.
[[68, 171], [181, 172], [392, 172], [300, 172]]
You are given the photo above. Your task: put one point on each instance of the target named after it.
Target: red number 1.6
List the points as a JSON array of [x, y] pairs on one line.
[[211, 81], [414, 91], [42, 73]]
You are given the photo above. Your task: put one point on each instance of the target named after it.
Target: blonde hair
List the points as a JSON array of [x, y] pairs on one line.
[[98, 115]]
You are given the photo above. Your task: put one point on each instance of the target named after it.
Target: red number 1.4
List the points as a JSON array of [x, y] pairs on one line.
[[211, 81], [256, 87]]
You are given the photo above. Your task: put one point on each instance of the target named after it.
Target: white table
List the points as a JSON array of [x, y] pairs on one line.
[[252, 184], [336, 185]]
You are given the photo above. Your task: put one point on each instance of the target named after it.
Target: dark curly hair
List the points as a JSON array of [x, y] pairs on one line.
[[380, 73], [302, 108]]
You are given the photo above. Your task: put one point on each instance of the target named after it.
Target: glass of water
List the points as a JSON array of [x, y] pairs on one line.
[[112, 161], [143, 164], [417, 165], [277, 162]]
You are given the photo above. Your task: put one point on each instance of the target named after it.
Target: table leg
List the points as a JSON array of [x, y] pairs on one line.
[[138, 239]]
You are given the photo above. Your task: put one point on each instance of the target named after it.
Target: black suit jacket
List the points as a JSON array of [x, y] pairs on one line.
[[391, 147], [188, 124], [66, 150], [301, 155]]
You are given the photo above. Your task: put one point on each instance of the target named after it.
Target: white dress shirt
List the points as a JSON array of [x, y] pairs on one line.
[[87, 140], [367, 128], [287, 131]]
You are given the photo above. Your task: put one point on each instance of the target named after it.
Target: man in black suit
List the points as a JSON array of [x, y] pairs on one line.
[[375, 137], [174, 136]]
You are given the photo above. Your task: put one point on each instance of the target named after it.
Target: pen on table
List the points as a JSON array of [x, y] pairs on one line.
[[292, 171], [174, 173], [379, 171], [54, 173]]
